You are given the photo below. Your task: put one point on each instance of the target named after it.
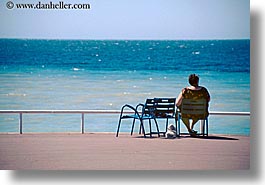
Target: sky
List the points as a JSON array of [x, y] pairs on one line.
[[130, 19]]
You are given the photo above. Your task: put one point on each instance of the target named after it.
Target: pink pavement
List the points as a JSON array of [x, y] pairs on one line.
[[104, 151]]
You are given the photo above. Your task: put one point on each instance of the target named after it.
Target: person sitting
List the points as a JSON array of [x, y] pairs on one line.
[[194, 91]]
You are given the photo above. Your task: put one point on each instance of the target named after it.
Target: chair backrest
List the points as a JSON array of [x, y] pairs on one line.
[[149, 106], [165, 107], [194, 107]]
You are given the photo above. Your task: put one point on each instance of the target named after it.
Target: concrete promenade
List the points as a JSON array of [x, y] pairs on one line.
[[104, 151]]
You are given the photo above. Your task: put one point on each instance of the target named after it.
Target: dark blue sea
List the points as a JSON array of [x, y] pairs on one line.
[[106, 74]]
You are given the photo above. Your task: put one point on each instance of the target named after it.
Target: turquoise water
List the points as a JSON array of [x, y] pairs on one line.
[[73, 74]]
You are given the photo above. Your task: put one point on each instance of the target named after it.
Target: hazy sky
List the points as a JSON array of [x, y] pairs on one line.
[[130, 19]]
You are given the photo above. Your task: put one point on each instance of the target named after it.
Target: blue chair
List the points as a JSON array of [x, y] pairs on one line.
[[195, 107], [165, 109], [141, 112]]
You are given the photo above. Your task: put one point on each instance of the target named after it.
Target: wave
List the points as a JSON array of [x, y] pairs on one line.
[[16, 94]]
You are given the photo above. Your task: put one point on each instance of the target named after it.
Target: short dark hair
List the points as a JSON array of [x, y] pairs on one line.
[[194, 80]]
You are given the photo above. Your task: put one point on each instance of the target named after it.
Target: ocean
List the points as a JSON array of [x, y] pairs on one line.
[[106, 74]]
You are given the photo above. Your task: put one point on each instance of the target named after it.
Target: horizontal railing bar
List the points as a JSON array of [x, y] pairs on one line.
[[63, 111], [105, 112], [83, 112], [229, 113]]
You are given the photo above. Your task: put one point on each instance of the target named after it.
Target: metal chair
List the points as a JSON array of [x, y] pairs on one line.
[[147, 112], [165, 109], [195, 108]]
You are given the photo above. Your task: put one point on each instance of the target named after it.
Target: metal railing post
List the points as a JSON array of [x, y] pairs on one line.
[[20, 123], [83, 123]]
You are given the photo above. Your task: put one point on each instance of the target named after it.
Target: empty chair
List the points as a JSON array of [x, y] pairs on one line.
[[165, 109], [141, 112]]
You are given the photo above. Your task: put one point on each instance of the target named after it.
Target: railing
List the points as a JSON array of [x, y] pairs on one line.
[[83, 112]]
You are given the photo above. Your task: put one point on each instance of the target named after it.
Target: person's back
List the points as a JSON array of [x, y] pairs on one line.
[[196, 94], [199, 93], [193, 92]]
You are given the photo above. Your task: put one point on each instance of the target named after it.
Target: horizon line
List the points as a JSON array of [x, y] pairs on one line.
[[128, 39]]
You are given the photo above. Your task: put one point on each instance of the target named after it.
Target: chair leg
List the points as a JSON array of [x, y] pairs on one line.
[[157, 128], [207, 127], [142, 126], [150, 127], [118, 129], [132, 126], [178, 125], [166, 124], [140, 129], [202, 127]]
